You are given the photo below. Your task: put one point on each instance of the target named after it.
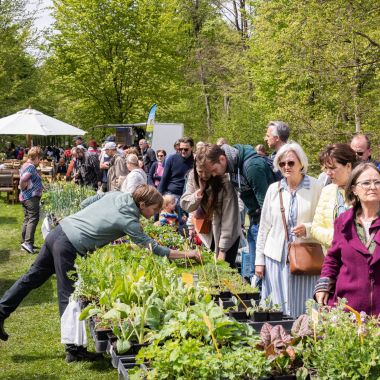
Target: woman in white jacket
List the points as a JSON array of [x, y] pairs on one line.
[[136, 176], [300, 197]]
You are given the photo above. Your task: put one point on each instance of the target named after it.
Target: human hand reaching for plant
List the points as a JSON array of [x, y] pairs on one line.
[[322, 297]]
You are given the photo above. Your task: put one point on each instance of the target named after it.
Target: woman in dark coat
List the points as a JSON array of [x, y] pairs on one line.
[[351, 268]]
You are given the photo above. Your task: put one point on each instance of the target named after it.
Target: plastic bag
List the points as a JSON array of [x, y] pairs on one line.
[[73, 331]]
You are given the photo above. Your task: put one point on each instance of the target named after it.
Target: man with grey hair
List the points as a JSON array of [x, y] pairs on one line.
[[117, 167], [277, 135]]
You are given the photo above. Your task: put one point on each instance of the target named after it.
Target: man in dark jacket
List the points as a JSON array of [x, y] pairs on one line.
[[251, 176], [148, 155], [176, 167], [87, 168]]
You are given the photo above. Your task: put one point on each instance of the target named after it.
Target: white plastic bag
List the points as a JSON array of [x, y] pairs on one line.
[[73, 331], [45, 227]]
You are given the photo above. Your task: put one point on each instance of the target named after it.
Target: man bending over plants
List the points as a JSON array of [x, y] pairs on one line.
[[111, 217]]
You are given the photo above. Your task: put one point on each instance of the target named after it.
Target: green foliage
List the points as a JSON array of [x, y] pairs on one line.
[[186, 360], [62, 199], [339, 337], [316, 65], [17, 66]]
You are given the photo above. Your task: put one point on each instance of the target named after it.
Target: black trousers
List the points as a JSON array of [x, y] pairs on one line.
[[57, 255], [231, 253], [31, 209]]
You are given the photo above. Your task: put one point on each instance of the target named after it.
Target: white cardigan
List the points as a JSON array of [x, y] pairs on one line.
[[271, 236]]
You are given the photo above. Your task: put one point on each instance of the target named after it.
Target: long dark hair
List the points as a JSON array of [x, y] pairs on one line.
[[209, 202]]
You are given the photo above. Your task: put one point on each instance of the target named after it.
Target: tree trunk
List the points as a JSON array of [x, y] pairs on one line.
[[207, 100]]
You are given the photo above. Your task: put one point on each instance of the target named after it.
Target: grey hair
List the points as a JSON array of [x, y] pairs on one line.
[[281, 130], [132, 159], [298, 151]]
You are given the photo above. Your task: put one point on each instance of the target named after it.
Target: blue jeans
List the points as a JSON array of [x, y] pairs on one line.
[[252, 238]]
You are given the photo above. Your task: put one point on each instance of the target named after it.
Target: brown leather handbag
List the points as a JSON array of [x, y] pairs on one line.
[[305, 257], [201, 221]]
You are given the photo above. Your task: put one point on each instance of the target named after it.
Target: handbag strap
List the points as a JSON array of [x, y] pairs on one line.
[[283, 211]]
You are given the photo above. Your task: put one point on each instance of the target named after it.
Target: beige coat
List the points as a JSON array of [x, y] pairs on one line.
[[117, 173], [226, 226]]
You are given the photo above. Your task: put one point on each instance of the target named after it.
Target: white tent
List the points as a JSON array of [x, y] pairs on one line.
[[33, 122]]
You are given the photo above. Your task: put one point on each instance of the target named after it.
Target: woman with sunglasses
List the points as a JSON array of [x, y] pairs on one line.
[[351, 269], [157, 169], [338, 161], [300, 194]]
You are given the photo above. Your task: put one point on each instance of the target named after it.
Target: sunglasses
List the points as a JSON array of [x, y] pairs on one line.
[[184, 149], [160, 155], [282, 164], [359, 153]]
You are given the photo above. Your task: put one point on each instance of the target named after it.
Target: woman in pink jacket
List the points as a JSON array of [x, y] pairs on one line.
[[351, 268]]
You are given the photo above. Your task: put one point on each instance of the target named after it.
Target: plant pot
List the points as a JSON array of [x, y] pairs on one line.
[[285, 377], [226, 303], [238, 315], [225, 294], [249, 296], [259, 316], [124, 366], [275, 315]]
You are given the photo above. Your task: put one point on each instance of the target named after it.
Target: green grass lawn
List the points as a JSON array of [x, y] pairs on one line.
[[33, 350]]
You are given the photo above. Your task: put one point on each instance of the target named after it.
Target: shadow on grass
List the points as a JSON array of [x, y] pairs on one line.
[[19, 358], [43, 294], [32, 375], [8, 220], [4, 255]]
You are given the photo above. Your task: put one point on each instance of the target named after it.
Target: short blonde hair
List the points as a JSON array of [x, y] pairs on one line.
[[34, 152], [168, 199], [298, 151]]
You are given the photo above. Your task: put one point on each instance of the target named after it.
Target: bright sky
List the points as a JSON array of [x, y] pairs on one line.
[[43, 18]]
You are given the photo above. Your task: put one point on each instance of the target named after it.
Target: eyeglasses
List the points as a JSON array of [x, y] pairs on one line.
[[183, 149], [366, 185], [289, 163], [359, 153]]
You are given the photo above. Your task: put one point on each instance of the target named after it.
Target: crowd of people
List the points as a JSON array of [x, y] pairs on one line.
[[207, 191]]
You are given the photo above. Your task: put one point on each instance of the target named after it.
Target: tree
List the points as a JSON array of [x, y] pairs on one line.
[[316, 65], [113, 59], [17, 66]]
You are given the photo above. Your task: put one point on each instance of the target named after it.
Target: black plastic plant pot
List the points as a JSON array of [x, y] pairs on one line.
[[285, 377], [225, 294], [275, 315], [226, 303], [136, 347], [259, 316], [249, 296], [238, 315]]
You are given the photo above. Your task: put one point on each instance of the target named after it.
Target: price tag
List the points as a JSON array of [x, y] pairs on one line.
[[188, 278]]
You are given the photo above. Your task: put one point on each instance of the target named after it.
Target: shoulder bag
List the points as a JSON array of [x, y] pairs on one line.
[[201, 221], [305, 257]]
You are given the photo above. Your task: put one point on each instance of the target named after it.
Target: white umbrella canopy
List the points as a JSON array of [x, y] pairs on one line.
[[33, 122]]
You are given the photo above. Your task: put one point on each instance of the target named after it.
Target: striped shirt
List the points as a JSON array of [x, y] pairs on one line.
[[30, 182]]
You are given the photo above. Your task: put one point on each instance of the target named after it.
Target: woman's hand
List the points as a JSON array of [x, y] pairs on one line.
[[260, 271], [299, 230], [195, 255], [322, 297]]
